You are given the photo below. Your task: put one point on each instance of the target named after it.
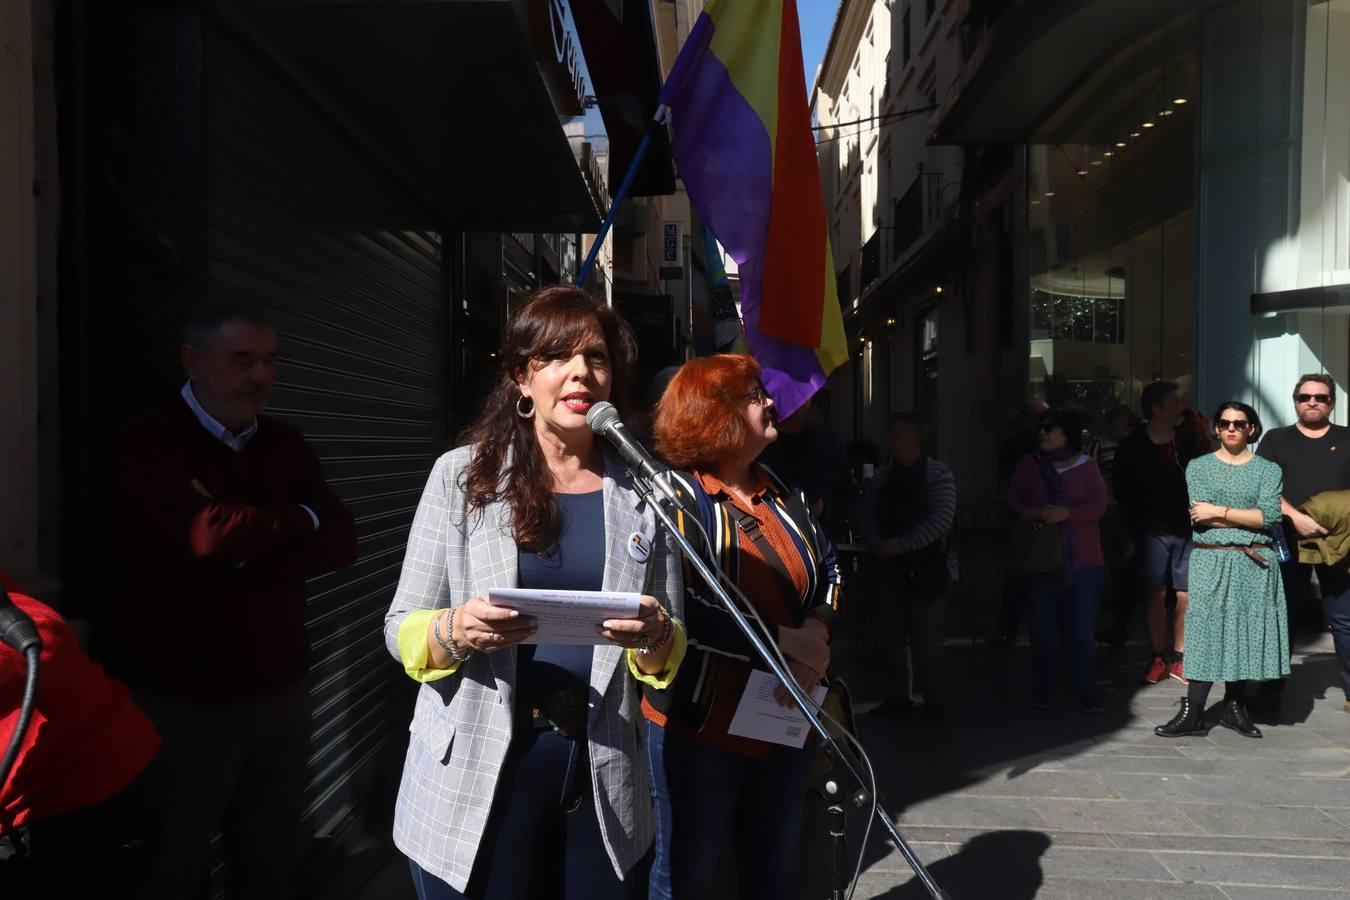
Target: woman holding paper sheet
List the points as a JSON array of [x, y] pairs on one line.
[[715, 789], [523, 776]]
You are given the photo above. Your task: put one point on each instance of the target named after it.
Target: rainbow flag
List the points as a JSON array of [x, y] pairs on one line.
[[745, 151]]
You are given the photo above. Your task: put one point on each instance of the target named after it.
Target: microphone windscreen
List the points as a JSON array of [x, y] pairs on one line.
[[601, 415]]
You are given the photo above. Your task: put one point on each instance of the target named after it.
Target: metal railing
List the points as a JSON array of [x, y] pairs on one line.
[[913, 213]]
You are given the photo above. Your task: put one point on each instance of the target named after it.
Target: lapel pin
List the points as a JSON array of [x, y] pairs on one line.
[[639, 547]]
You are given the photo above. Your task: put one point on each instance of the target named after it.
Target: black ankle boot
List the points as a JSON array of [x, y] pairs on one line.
[[1235, 717], [1190, 719]]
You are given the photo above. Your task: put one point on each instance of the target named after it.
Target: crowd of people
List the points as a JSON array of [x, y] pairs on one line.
[[1190, 509], [613, 767]]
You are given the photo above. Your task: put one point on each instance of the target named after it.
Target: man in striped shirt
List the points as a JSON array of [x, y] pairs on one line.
[[904, 518]]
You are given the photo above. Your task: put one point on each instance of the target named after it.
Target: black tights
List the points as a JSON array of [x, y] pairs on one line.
[[1198, 692]]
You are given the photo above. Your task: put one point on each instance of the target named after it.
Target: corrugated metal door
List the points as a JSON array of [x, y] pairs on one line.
[[301, 222]]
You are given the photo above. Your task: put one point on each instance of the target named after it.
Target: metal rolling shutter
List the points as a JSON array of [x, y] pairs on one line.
[[360, 302]]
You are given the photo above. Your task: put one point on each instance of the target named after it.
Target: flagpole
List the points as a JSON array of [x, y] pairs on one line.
[[658, 121]]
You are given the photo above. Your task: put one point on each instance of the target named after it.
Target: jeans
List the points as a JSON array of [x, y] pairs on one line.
[[710, 801], [1335, 586], [1071, 609], [543, 835]]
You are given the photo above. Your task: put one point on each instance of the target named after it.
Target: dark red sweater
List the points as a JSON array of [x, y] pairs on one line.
[[212, 588], [85, 742]]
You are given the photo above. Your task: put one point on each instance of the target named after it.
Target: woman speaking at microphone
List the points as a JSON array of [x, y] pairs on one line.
[[524, 777], [717, 791]]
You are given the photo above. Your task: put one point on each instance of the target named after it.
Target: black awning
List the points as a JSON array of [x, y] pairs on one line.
[[1037, 55], [468, 99], [1331, 298]]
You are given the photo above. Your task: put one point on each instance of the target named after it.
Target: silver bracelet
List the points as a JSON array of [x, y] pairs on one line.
[[666, 630], [456, 653]]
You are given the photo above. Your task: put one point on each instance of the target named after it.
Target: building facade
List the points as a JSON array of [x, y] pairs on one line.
[[1146, 190]]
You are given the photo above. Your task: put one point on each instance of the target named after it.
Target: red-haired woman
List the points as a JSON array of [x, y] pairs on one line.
[[523, 777], [715, 791]]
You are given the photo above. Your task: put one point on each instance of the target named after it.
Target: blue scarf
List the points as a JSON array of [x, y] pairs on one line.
[[1054, 495]]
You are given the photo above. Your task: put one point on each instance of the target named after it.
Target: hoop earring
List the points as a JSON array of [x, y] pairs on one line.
[[524, 407]]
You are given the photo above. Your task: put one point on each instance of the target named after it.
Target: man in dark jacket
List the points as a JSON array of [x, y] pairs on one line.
[[1150, 485], [222, 513]]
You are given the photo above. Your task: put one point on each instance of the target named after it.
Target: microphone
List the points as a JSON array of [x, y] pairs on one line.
[[604, 420], [16, 628]]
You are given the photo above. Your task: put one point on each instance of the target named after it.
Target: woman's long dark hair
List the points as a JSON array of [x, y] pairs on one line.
[[553, 320]]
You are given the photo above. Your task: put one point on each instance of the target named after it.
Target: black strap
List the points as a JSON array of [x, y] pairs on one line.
[[749, 525]]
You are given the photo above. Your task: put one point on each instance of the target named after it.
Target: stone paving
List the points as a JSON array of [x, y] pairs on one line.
[[1005, 802], [1009, 804]]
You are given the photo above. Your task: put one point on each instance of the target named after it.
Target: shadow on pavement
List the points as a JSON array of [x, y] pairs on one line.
[[1009, 859]]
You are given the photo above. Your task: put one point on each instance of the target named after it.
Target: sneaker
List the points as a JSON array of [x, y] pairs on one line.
[[1174, 671], [1156, 672]]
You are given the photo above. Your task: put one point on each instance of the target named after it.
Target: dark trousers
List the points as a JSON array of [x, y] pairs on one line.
[[543, 836], [1057, 608], [1335, 585], [97, 850], [711, 801], [239, 770], [913, 605]]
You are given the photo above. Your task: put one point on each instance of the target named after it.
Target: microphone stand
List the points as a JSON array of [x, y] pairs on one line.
[[837, 754], [18, 631]]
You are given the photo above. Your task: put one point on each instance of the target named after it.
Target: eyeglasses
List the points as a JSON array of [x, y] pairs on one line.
[[758, 395], [1324, 399], [1235, 424]]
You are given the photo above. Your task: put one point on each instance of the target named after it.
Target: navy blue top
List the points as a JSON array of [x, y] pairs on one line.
[[576, 564]]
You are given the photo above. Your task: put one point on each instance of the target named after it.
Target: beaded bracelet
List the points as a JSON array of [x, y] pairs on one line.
[[666, 629]]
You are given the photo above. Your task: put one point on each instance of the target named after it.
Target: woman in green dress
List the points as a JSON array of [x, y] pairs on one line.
[[1235, 623]]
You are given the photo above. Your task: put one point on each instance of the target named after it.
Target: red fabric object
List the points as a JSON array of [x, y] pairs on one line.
[[86, 740], [214, 549]]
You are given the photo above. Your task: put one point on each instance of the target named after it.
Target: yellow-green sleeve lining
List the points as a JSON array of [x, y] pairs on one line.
[[661, 680], [412, 647]]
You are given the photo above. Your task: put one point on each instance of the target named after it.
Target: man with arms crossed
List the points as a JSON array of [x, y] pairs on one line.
[[222, 513]]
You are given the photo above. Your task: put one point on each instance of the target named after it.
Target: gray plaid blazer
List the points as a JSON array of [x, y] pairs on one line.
[[461, 724]]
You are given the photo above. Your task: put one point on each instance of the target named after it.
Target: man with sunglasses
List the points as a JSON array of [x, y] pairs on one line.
[[1315, 457]]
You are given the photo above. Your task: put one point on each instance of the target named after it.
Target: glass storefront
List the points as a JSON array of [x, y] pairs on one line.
[[1111, 232], [1275, 202]]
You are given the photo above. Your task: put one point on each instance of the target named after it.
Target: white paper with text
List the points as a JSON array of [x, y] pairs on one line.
[[567, 617], [759, 716]]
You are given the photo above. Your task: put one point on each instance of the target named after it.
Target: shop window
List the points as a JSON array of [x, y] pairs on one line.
[[1111, 241]]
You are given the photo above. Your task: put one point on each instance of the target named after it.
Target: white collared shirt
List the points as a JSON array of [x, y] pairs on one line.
[[235, 442], [218, 431]]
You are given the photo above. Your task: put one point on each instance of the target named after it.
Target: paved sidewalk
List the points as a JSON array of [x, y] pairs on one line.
[[1005, 802], [1009, 804]]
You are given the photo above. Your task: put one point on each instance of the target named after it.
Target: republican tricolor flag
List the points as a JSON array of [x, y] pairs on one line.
[[743, 143]]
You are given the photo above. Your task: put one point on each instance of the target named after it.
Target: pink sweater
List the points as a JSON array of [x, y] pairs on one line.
[[1084, 495]]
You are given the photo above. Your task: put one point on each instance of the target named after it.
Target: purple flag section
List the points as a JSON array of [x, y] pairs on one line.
[[725, 160]]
